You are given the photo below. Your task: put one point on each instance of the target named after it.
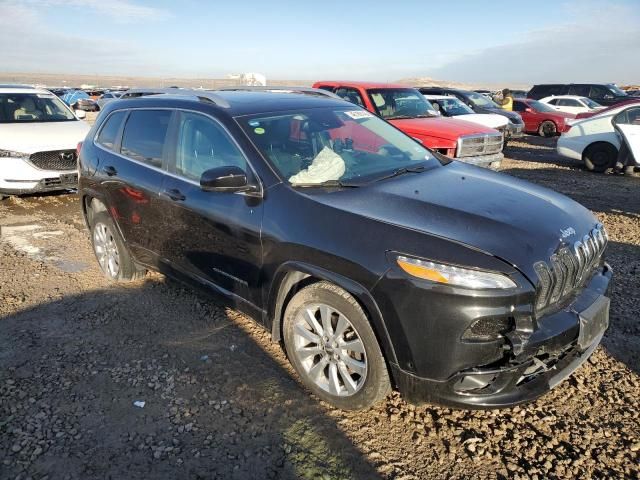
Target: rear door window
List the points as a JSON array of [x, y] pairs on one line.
[[144, 136], [108, 136], [519, 106], [579, 90], [568, 102], [350, 95]]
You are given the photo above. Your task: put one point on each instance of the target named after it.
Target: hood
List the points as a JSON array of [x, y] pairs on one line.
[[449, 128], [500, 111], [40, 137], [511, 219], [489, 120]]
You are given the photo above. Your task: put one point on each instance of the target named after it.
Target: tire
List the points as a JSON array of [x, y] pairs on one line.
[[352, 378], [598, 157], [113, 256], [547, 129]]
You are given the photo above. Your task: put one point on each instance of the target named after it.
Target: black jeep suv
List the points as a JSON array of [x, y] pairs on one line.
[[377, 262]]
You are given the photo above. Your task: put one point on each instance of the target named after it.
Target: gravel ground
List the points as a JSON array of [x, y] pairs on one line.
[[221, 400]]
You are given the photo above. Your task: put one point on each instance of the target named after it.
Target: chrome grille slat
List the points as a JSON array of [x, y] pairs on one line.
[[570, 268]]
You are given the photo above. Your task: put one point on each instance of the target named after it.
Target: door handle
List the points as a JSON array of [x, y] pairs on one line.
[[110, 171], [173, 194]]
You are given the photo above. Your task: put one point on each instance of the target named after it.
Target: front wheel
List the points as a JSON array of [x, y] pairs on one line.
[[547, 129], [332, 347], [113, 257]]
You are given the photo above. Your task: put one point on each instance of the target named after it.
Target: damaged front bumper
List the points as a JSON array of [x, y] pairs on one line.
[[533, 361]]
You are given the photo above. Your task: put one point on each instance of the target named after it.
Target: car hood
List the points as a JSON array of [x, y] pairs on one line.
[[511, 219], [500, 111], [449, 128], [489, 120], [39, 137]]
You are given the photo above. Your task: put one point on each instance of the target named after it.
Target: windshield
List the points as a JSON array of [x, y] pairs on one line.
[[313, 146], [33, 107], [617, 90], [481, 101], [393, 103], [452, 107], [590, 103], [541, 107]]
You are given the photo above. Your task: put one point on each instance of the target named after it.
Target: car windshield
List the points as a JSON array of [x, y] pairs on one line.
[[617, 90], [33, 107], [452, 107], [330, 145], [590, 103], [394, 103], [481, 101], [541, 107]]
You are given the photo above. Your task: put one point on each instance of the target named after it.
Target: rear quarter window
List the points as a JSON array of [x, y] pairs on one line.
[[109, 131], [144, 136]]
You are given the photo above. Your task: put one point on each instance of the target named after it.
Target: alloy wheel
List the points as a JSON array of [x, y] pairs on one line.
[[106, 250], [329, 349]]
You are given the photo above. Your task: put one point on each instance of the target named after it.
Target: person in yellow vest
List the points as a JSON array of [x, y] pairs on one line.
[[506, 103]]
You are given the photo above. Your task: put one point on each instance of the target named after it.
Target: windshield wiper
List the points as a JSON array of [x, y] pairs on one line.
[[398, 117], [327, 183], [402, 171]]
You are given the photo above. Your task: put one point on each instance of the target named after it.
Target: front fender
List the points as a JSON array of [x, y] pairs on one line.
[[291, 273]]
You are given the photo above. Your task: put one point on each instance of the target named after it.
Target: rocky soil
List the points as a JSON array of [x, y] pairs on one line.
[[152, 380]]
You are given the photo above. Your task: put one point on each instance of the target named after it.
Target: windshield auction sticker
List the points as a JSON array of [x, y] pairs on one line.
[[357, 114]]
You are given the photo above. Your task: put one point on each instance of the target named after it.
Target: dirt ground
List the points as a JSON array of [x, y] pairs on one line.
[[220, 400]]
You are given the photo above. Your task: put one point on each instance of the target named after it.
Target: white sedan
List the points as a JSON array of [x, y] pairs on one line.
[[449, 106], [571, 103], [594, 140], [39, 135]]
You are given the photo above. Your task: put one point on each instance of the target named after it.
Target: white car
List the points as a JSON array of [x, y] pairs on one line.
[[39, 135], [571, 103], [594, 140], [450, 106]]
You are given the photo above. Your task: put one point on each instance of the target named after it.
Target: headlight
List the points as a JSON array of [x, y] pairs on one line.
[[9, 153], [455, 276]]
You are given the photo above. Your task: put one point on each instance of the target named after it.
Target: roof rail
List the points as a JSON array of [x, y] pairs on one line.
[[200, 95], [279, 89]]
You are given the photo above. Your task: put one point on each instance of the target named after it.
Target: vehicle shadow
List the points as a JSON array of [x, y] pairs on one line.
[[539, 150], [217, 403]]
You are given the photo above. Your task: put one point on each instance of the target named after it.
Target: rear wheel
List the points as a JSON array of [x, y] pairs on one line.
[[547, 129], [113, 257], [598, 157], [333, 348]]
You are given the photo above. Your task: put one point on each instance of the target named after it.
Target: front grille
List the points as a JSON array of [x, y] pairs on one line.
[[484, 144], [569, 268], [54, 160]]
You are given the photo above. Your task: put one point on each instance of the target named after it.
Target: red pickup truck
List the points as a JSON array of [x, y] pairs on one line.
[[408, 110]]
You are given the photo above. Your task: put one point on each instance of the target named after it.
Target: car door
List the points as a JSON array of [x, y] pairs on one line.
[[569, 105], [131, 170], [628, 123], [528, 117], [213, 237]]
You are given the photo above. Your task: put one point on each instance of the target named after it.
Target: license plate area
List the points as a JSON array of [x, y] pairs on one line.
[[69, 179], [593, 321]]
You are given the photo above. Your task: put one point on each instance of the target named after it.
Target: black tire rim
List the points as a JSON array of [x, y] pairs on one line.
[[548, 129]]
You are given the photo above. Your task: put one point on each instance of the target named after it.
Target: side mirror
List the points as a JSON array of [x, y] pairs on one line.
[[225, 179], [80, 114], [530, 110]]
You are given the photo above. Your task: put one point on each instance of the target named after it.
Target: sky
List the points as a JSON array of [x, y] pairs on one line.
[[456, 40]]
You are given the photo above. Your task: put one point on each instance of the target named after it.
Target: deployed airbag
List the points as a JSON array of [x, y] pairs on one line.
[[327, 165]]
